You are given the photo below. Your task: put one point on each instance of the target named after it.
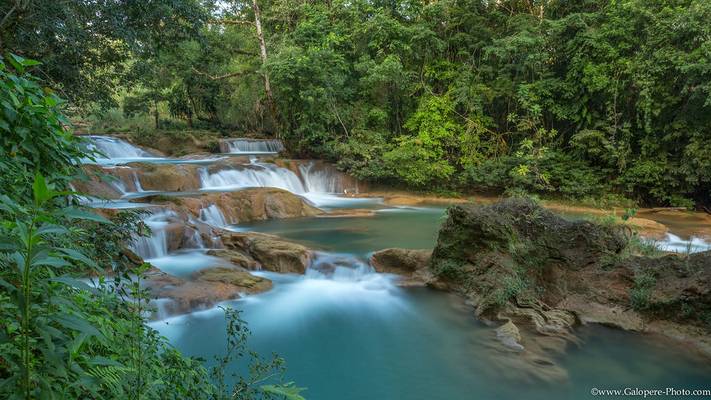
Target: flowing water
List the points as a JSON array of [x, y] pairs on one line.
[[252, 146], [350, 333], [347, 332]]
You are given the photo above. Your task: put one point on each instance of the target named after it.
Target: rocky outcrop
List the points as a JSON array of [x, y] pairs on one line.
[[236, 277], [205, 288], [518, 263], [256, 204], [167, 177], [247, 205], [262, 251], [411, 265], [177, 143]]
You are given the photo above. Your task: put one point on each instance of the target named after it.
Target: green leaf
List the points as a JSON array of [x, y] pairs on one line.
[[73, 282], [99, 360], [52, 229], [78, 213], [78, 256], [48, 260], [76, 323], [16, 62], [289, 391], [40, 190]]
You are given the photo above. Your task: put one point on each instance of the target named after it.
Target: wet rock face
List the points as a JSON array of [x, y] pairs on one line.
[[400, 261], [237, 277], [673, 287]]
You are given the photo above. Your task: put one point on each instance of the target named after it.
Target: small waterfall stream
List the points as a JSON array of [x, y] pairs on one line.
[[252, 175], [156, 245], [212, 215], [256, 174], [252, 146]]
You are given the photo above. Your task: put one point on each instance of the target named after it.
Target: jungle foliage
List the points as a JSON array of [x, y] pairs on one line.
[[564, 98]]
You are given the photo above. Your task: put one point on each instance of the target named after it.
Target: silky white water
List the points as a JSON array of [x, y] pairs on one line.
[[156, 245], [212, 215], [676, 244], [114, 150], [319, 186], [253, 146]]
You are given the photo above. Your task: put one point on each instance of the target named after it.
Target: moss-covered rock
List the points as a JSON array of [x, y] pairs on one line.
[[517, 251], [516, 261]]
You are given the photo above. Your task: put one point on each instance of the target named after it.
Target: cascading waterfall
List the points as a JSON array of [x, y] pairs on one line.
[[253, 175], [155, 245], [321, 180], [252, 146], [112, 148], [313, 180], [137, 182]]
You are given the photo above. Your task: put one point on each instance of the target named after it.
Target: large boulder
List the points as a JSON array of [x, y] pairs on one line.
[[518, 252], [270, 252]]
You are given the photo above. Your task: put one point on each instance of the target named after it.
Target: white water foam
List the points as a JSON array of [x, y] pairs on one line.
[[320, 186], [334, 283], [252, 175]]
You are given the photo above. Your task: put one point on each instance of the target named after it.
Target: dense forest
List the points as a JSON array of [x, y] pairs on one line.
[[577, 99]]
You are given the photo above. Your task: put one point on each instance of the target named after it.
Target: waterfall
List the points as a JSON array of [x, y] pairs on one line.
[[212, 215], [119, 185], [137, 182], [676, 244], [321, 180], [252, 146], [112, 148], [253, 175], [156, 245]]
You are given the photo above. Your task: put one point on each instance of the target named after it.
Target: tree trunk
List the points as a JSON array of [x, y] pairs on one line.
[[155, 112], [263, 54]]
